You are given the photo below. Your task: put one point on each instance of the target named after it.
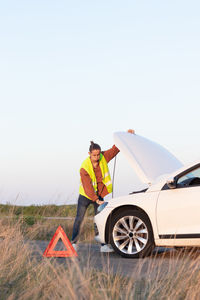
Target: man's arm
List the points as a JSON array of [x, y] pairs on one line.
[[110, 153]]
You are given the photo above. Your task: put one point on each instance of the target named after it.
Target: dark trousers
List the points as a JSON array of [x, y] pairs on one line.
[[83, 204]]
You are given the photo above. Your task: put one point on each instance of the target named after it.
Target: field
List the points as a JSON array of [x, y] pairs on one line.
[[42, 211], [34, 225], [24, 275]]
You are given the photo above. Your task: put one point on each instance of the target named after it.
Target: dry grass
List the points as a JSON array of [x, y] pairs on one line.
[[44, 229], [24, 276]]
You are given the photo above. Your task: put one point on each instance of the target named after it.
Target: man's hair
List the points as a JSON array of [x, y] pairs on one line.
[[94, 146]]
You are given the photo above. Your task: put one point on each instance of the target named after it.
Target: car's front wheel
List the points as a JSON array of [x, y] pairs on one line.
[[131, 234]]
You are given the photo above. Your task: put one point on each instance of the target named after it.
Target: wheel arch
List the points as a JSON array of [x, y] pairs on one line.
[[117, 210]]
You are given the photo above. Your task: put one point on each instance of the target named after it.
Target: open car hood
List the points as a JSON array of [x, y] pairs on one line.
[[149, 159]]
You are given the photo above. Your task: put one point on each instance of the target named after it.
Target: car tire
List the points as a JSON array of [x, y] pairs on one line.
[[131, 234]]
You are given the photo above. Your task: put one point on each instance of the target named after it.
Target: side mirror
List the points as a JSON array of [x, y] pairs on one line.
[[171, 183]]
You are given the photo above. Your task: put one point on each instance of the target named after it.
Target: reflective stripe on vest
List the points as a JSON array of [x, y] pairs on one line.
[[106, 179]]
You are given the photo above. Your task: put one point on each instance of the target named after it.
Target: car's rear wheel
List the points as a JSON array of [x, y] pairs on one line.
[[131, 234]]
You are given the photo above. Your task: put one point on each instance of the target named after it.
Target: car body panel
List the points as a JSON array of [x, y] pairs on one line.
[[178, 211], [144, 201], [149, 159]]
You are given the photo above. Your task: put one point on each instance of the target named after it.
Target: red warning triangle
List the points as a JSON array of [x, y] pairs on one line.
[[50, 252]]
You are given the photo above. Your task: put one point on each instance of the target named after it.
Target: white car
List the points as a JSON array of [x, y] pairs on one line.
[[167, 213]]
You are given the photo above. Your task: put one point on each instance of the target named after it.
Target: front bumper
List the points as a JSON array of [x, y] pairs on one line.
[[100, 221]]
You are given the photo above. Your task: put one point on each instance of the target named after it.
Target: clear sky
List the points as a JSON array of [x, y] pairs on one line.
[[75, 71]]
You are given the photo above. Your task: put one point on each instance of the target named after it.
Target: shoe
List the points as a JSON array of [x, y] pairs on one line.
[[75, 246], [106, 249]]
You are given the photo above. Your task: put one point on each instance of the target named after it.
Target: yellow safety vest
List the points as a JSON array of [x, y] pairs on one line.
[[87, 165]]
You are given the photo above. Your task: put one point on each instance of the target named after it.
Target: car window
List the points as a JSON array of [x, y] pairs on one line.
[[190, 179]]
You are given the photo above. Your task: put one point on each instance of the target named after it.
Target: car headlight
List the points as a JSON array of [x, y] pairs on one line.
[[101, 207]]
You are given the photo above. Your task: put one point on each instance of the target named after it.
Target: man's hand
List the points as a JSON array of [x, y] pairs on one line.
[[99, 202], [131, 131]]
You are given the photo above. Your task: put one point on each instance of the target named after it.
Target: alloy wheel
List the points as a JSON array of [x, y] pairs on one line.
[[130, 235]]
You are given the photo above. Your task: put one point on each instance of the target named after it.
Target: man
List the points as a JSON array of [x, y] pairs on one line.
[[95, 184]]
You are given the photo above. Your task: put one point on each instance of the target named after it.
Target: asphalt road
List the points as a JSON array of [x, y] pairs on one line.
[[159, 264]]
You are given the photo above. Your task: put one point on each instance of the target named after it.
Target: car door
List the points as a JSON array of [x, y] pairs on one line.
[[178, 209]]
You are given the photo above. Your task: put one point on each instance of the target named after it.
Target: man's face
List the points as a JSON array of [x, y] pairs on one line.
[[95, 156]]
